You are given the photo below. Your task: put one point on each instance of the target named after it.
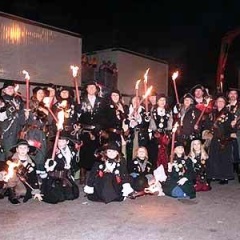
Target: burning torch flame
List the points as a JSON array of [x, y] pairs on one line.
[[46, 101], [137, 84], [148, 92], [174, 129], [175, 75], [146, 75], [60, 120], [26, 74], [11, 168], [74, 70]]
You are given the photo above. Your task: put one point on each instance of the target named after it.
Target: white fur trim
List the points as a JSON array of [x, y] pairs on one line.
[[88, 190], [160, 174], [126, 189]]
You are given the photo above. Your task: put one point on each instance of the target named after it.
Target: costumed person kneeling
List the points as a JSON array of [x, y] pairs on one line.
[[179, 183], [60, 184], [108, 180], [142, 176], [20, 179]]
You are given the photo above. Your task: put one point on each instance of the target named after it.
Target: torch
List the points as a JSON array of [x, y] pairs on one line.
[[145, 88], [46, 101], [59, 129], [174, 129], [201, 115], [147, 93], [174, 77], [27, 78], [74, 73], [137, 87]]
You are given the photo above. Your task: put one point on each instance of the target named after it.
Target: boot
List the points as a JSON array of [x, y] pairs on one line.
[[83, 173], [13, 197]]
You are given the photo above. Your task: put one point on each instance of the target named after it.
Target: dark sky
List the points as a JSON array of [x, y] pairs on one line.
[[187, 34]]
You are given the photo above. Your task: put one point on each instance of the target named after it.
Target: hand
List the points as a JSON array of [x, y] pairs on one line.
[[170, 165], [27, 113], [38, 196]]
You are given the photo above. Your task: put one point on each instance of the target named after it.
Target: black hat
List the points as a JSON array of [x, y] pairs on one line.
[[188, 95], [198, 86], [66, 88], [221, 95], [233, 89], [90, 83], [64, 135], [7, 84], [115, 91], [162, 95], [178, 144], [36, 89], [23, 142], [112, 146]]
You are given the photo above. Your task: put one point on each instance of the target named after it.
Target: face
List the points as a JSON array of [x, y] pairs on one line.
[[40, 95], [187, 102], [233, 95], [9, 90], [91, 89], [115, 97], [64, 94], [62, 143], [22, 150], [52, 92], [196, 144], [135, 101], [161, 102], [198, 93], [153, 99], [179, 150], [112, 154], [141, 153], [220, 103]]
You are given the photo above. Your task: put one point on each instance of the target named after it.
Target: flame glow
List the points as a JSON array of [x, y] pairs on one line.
[[146, 75], [137, 84], [60, 120], [11, 169], [148, 92], [175, 75], [74, 70], [27, 77]]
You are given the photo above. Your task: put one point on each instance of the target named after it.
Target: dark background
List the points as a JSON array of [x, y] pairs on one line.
[[187, 34]]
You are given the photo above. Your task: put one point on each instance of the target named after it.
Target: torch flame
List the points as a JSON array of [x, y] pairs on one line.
[[146, 75], [11, 169], [175, 75], [26, 74], [74, 70], [174, 129], [46, 101], [148, 92], [60, 120], [137, 84]]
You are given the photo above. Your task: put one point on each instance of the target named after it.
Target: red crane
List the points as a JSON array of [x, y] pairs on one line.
[[225, 45]]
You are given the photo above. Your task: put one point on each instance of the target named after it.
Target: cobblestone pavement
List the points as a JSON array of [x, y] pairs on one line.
[[213, 215]]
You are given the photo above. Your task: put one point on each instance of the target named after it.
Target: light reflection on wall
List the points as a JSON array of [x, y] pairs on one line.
[[16, 33]]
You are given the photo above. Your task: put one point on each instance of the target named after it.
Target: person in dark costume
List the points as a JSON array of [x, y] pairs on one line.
[[92, 121], [21, 180], [12, 118], [199, 158], [108, 179], [179, 183], [60, 184], [219, 126]]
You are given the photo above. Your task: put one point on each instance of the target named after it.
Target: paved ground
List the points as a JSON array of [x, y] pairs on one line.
[[213, 215]]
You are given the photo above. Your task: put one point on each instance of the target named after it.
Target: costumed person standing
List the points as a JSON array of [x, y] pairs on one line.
[[199, 158], [163, 117], [22, 181], [218, 130], [108, 179], [92, 120], [179, 183], [116, 116], [187, 115], [60, 184], [36, 128], [12, 118], [233, 106]]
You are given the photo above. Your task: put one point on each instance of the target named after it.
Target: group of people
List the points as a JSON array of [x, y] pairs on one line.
[[119, 150]]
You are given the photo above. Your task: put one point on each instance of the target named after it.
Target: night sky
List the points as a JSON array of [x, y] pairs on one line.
[[187, 34]]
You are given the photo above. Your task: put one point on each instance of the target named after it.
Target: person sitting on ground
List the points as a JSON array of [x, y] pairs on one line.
[[21, 178], [179, 183], [108, 180]]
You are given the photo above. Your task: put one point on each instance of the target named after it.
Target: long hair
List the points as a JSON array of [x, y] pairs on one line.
[[193, 153]]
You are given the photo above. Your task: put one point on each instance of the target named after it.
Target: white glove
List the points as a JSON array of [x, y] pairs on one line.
[[126, 189], [160, 174], [170, 167], [182, 181], [88, 190], [50, 164]]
